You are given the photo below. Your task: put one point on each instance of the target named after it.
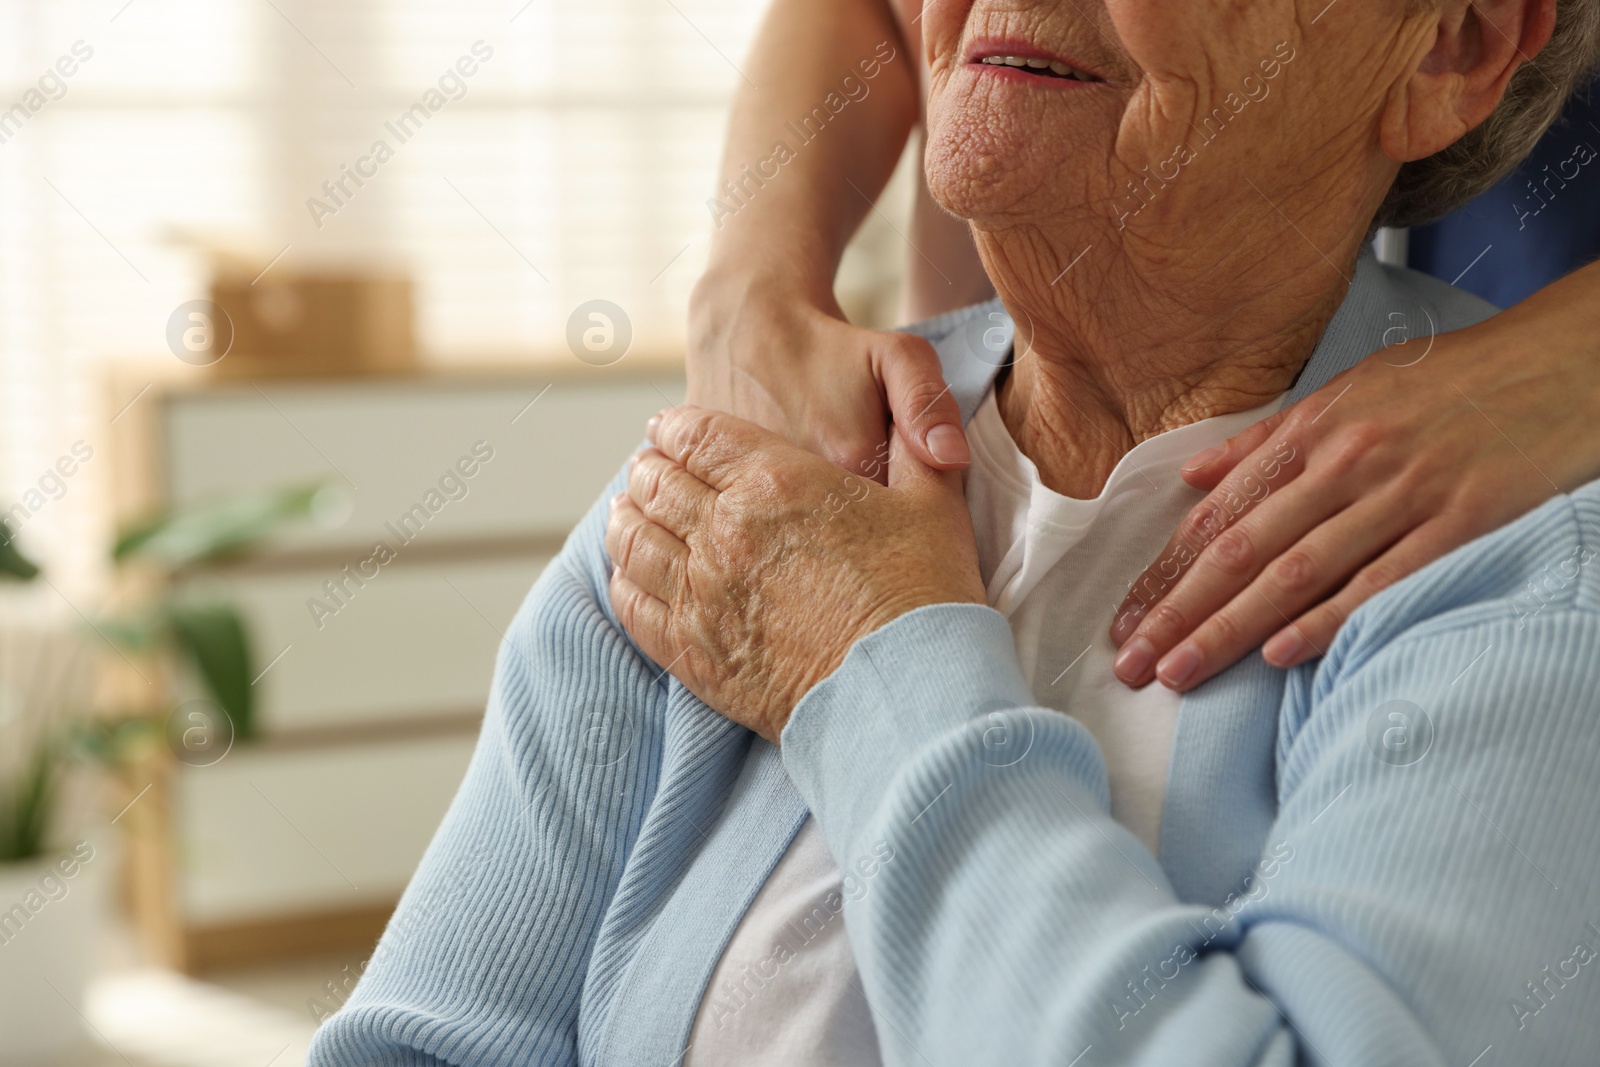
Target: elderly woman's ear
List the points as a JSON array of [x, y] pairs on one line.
[[1477, 45]]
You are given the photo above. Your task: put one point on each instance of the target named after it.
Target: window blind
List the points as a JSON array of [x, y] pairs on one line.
[[572, 163]]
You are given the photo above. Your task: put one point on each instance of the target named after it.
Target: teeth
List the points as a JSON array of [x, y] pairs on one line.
[[1055, 67]]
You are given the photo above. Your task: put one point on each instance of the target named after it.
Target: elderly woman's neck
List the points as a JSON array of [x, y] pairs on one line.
[[1130, 351]]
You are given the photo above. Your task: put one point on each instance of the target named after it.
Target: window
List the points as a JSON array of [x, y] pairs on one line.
[[572, 162]]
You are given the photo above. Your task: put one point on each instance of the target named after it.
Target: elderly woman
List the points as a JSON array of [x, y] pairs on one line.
[[1388, 855]]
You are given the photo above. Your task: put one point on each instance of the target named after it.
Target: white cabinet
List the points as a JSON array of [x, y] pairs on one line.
[[274, 833], [367, 706]]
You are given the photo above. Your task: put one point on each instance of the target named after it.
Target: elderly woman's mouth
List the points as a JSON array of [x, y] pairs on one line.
[[1030, 64]]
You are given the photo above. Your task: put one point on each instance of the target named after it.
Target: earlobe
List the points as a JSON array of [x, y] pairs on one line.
[[1460, 79], [1422, 116]]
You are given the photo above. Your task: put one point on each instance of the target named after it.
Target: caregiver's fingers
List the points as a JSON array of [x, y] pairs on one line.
[[1261, 548], [1315, 630], [668, 494], [649, 554], [1198, 544], [1204, 470], [712, 445], [920, 402], [1315, 567]]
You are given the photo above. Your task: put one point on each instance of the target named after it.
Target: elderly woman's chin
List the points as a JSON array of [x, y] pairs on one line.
[[997, 157]]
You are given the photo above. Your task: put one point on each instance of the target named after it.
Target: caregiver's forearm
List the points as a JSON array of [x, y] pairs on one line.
[[829, 97], [1386, 922], [1565, 312]]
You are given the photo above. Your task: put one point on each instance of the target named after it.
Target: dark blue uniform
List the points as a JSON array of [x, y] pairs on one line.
[[1538, 224]]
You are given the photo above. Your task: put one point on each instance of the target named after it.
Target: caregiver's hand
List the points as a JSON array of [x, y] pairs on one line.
[[748, 566], [766, 352], [1394, 463]]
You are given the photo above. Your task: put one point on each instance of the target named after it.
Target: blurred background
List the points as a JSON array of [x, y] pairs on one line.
[[320, 325]]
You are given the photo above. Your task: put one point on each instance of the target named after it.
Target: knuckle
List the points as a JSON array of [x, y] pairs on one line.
[[1331, 615], [1202, 524], [1295, 570], [627, 543], [778, 481], [1221, 631], [644, 483], [700, 429], [1354, 444], [922, 400], [686, 430], [1271, 424], [1374, 578], [1367, 435], [1234, 552], [625, 606], [1297, 423], [1165, 620]]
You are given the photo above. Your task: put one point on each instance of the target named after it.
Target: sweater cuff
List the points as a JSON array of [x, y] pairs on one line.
[[926, 675]]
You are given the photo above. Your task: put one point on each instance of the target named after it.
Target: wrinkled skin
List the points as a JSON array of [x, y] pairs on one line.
[[1388, 476], [750, 566], [1168, 325]]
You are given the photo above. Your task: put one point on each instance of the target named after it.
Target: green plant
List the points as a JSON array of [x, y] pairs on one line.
[[210, 636], [26, 795], [14, 564], [41, 674], [26, 805], [42, 680]]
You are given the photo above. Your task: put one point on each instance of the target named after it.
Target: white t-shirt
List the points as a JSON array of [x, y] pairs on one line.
[[1057, 568]]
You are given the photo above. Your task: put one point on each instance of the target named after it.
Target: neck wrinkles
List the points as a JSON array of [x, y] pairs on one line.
[[1146, 340]]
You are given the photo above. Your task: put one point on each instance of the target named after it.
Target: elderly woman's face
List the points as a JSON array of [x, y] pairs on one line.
[[1203, 93]]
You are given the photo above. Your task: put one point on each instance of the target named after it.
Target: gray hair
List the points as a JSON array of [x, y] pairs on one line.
[[1428, 188]]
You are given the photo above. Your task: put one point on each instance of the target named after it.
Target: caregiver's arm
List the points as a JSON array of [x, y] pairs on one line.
[[767, 338], [1428, 444], [1403, 470], [485, 958], [1426, 892]]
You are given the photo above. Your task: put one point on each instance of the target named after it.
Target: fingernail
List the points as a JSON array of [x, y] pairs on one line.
[[1134, 659], [1179, 665], [1200, 459], [948, 444], [617, 500], [651, 426], [1283, 649]]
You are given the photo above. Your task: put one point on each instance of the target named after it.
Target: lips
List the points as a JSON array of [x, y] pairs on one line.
[[1029, 62]]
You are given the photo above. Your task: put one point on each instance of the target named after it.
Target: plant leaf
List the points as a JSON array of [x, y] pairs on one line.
[[214, 636], [14, 564], [25, 812], [214, 528]]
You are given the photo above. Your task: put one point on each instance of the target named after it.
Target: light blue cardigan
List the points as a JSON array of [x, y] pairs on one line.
[[1322, 895]]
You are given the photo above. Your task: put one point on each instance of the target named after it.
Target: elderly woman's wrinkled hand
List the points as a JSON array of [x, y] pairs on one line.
[[748, 566]]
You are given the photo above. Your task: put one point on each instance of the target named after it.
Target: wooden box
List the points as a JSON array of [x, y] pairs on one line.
[[315, 325]]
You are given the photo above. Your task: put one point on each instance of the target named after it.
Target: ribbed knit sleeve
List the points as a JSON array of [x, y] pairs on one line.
[[487, 955], [1429, 892]]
